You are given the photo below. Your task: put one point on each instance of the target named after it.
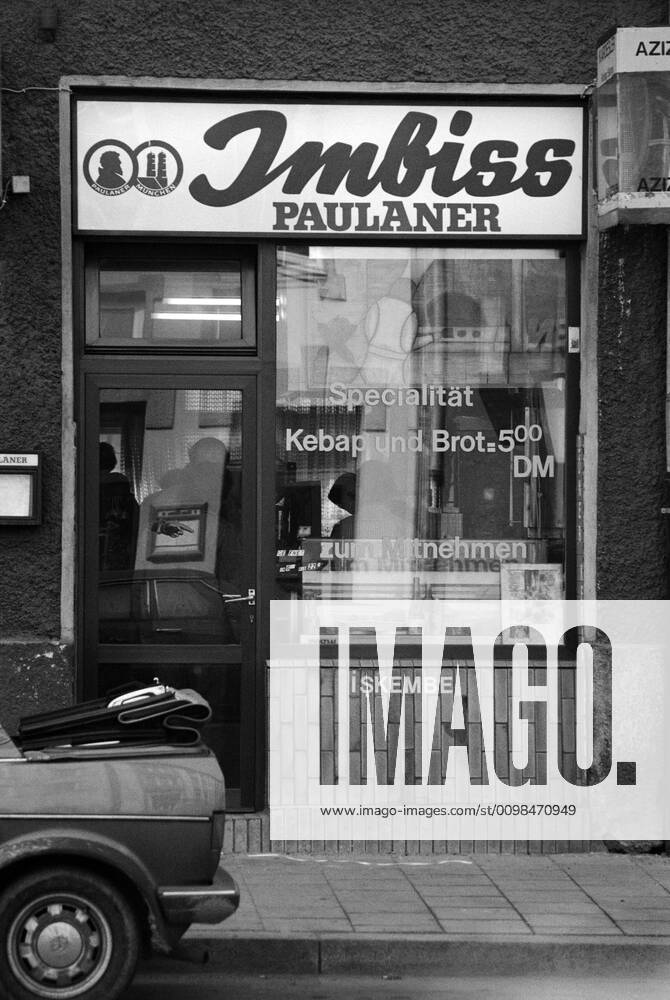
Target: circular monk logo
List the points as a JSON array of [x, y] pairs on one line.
[[110, 167], [159, 168]]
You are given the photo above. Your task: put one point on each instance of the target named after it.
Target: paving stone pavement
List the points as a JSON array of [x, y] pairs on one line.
[[562, 896]]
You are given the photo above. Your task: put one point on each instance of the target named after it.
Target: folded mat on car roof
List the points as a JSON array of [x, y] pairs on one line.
[[173, 716]]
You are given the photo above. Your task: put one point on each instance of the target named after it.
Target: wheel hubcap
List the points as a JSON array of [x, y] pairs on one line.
[[59, 946]]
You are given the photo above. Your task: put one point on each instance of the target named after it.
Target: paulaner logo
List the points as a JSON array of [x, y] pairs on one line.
[[154, 168]]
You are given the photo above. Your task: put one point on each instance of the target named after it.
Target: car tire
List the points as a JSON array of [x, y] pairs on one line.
[[66, 933]]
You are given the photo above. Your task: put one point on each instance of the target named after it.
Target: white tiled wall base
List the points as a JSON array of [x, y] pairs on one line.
[[250, 834]]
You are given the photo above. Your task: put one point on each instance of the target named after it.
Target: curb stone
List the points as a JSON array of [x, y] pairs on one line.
[[458, 955]]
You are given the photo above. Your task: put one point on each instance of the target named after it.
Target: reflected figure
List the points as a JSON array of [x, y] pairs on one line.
[[191, 545], [206, 456], [203, 487], [373, 501], [382, 509], [343, 494], [118, 514], [200, 480]]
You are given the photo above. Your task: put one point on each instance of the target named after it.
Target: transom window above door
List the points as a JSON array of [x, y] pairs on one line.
[[167, 302]]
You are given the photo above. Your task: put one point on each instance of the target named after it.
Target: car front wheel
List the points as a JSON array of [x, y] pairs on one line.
[[65, 932]]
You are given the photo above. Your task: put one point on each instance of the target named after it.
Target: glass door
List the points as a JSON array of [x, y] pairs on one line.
[[169, 563]]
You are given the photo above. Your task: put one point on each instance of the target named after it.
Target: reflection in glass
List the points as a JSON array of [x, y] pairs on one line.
[[158, 306], [420, 421], [170, 469]]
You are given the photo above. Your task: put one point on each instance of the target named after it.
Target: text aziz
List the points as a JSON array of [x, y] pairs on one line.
[[367, 715], [492, 170]]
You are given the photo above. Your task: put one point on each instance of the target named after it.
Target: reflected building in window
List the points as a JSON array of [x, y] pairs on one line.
[[435, 380]]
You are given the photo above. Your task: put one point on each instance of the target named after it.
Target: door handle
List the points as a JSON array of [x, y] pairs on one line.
[[249, 597]]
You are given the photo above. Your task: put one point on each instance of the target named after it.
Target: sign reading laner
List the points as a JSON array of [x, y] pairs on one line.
[[349, 168]]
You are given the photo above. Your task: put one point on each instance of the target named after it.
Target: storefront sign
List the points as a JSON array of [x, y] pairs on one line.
[[548, 720], [338, 169], [632, 123], [634, 50]]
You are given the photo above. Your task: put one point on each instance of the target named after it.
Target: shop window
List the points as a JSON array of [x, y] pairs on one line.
[[421, 423], [184, 301]]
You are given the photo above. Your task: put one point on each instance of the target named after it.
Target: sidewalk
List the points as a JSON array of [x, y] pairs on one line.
[[308, 913]]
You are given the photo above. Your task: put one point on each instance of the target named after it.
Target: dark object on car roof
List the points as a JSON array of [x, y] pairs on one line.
[[154, 715]]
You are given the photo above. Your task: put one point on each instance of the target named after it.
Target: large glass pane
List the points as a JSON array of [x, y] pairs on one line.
[[171, 549], [170, 522], [165, 307], [420, 423]]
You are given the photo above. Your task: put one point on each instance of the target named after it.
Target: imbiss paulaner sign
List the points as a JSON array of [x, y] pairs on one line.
[[350, 169]]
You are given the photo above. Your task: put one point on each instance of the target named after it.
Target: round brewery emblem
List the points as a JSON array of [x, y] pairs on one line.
[[160, 168], [110, 167]]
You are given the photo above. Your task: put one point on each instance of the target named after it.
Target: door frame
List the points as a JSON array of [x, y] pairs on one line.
[[161, 376], [261, 367]]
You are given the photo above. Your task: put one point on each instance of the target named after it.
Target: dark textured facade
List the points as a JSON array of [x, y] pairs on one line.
[[632, 302]]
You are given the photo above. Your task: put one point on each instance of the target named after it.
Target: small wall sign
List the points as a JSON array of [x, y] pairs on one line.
[[633, 89], [20, 487]]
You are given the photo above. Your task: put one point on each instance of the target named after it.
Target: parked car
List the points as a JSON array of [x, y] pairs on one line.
[[170, 606], [104, 848]]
